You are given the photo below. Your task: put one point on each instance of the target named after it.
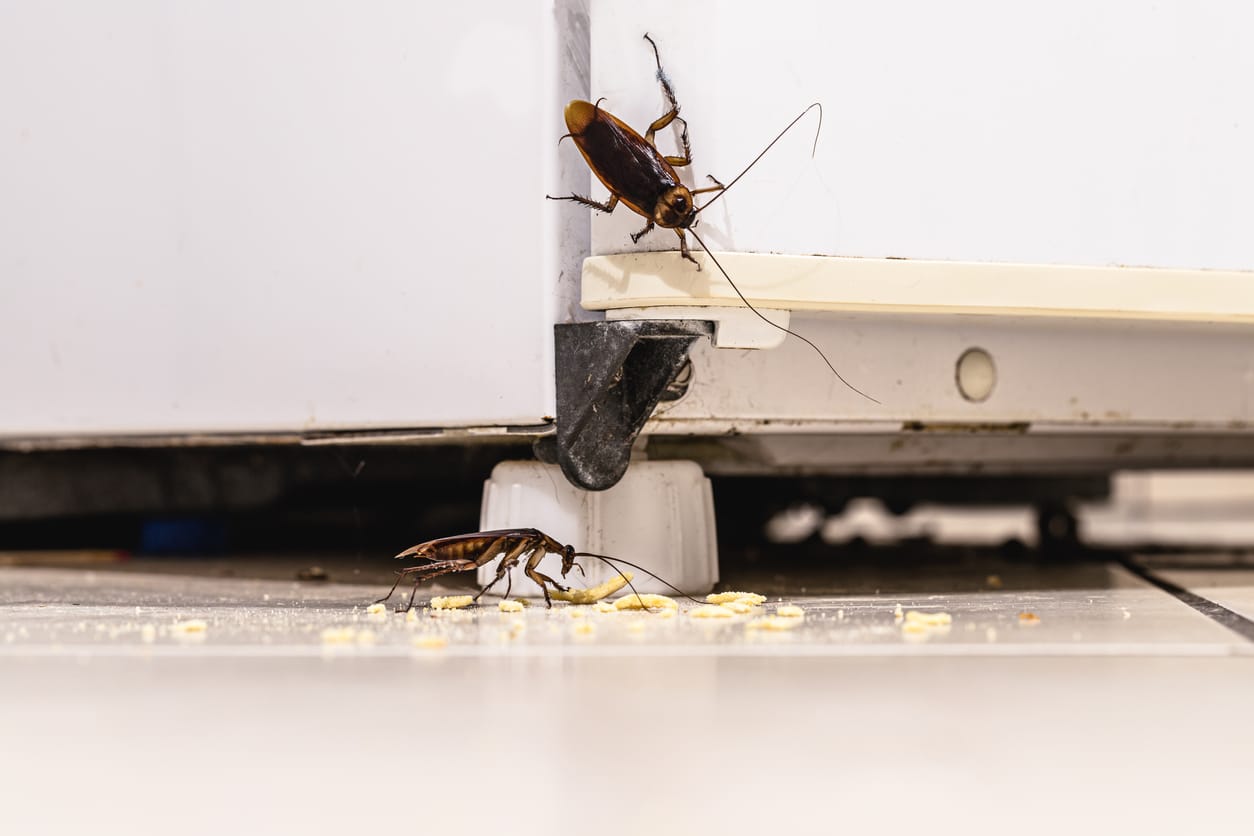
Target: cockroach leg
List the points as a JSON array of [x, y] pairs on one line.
[[635, 239], [717, 187], [672, 114], [509, 561], [607, 206], [683, 248]]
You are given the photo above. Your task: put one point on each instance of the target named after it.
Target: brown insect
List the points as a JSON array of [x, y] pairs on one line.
[[639, 175], [463, 552]]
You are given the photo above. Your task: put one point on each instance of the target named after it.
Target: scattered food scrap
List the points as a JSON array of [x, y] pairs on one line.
[[430, 641], [510, 606], [339, 635], [595, 593], [584, 629], [605, 606], [376, 609], [898, 615], [451, 602], [737, 607], [790, 611], [411, 616], [646, 602], [578, 611], [753, 599], [993, 582], [148, 633], [773, 623], [195, 625], [929, 619], [1029, 618], [712, 611]]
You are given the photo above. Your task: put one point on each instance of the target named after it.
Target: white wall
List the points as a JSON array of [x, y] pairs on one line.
[[279, 215]]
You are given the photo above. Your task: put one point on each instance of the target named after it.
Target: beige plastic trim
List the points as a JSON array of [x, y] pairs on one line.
[[835, 283]]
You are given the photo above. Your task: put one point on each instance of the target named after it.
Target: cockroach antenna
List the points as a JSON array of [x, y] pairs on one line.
[[813, 149], [610, 561], [760, 316]]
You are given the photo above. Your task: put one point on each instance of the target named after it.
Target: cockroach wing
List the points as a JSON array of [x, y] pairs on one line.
[[620, 158]]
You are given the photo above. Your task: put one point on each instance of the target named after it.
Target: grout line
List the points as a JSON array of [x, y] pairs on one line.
[[1216, 612]]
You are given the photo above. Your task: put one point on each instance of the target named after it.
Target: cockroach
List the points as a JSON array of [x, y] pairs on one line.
[[639, 175], [463, 552]]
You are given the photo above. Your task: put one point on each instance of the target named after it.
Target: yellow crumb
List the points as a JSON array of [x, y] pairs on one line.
[[1027, 618], [993, 582], [148, 633], [711, 611], [914, 627], [430, 641], [753, 599], [451, 602], [584, 628], [510, 606], [636, 627], [929, 619], [898, 614], [643, 602], [339, 635], [666, 613], [595, 593], [578, 612], [376, 609], [605, 606], [737, 607], [790, 611], [773, 623], [365, 637], [195, 625], [411, 615]]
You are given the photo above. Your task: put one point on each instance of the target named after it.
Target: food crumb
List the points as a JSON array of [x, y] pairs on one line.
[[898, 615], [339, 635], [646, 601], [1126, 614], [636, 627], [737, 607], [753, 599], [605, 606], [1029, 618], [993, 582], [411, 615], [990, 634], [195, 625], [790, 611], [510, 606], [451, 602], [584, 628], [929, 619], [148, 633], [376, 609], [712, 611], [430, 641], [595, 593], [840, 614], [773, 623], [365, 637]]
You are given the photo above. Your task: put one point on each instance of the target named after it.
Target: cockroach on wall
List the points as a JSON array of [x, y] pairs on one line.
[[639, 175]]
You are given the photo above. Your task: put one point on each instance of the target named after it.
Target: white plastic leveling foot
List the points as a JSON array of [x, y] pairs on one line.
[[660, 516]]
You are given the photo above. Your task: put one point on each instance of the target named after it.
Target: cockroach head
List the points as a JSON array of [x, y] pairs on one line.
[[675, 209], [568, 559]]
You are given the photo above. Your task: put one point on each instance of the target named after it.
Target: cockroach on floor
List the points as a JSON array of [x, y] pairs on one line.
[[463, 552], [639, 175]]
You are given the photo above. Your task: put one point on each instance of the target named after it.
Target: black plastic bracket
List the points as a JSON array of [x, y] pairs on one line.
[[610, 376]]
